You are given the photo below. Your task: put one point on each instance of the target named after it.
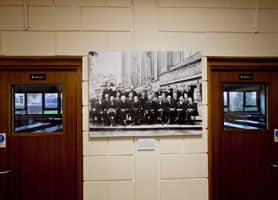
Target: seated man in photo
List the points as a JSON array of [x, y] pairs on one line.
[[93, 114], [112, 111], [105, 107], [124, 109], [97, 111], [136, 109], [147, 109], [154, 108], [171, 109], [181, 108], [161, 110], [191, 109]]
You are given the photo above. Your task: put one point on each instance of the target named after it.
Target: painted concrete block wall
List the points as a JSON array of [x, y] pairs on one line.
[[113, 168]]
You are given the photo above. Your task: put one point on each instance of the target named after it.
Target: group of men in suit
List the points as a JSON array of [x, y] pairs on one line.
[[116, 108]]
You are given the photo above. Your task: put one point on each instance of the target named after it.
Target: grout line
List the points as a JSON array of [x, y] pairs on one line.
[[67, 30], [185, 179], [108, 180], [130, 31], [210, 7], [110, 155], [184, 154]]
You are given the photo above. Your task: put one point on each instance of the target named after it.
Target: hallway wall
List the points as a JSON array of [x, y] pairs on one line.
[[113, 168]]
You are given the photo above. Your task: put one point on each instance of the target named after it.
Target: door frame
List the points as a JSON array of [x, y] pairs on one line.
[[223, 64], [56, 63]]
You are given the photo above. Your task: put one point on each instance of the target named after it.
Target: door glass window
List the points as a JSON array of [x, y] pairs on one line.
[[34, 103], [37, 108], [245, 106], [236, 101]]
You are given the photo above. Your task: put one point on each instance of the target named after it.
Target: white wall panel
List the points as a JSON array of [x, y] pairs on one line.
[[54, 18], [28, 43], [11, 18], [183, 166], [11, 2], [80, 43], [196, 189], [203, 20], [267, 20], [147, 175], [40, 2], [106, 19]]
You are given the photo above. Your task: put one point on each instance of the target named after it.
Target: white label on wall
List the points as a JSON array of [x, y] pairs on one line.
[[275, 135], [145, 144], [2, 140]]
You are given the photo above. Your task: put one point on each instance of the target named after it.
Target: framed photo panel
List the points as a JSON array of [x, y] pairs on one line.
[[145, 93]]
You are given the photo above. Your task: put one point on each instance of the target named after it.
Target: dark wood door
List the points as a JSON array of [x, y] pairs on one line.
[[45, 161], [274, 145], [243, 160]]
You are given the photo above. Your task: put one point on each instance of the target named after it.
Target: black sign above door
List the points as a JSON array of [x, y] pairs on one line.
[[247, 77], [35, 77]]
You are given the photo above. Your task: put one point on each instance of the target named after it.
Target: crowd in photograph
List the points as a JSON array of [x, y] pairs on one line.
[[117, 107]]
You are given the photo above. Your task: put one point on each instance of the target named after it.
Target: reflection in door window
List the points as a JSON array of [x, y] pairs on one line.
[[37, 108], [251, 98], [236, 101], [34, 103], [20, 103], [244, 106], [51, 100]]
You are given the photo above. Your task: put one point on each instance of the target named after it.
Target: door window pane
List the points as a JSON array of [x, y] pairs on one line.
[[245, 106], [37, 108], [225, 99], [236, 101], [19, 100], [251, 98], [20, 103], [51, 100], [34, 103]]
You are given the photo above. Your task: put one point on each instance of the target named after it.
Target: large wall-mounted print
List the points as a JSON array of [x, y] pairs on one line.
[[145, 93]]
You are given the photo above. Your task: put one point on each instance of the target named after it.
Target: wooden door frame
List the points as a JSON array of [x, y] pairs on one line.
[[56, 63], [222, 64]]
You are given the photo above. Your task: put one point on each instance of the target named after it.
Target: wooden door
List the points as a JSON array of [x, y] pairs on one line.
[[43, 158], [242, 152], [274, 145]]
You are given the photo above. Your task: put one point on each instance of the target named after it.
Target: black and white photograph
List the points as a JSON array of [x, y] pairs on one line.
[[145, 93]]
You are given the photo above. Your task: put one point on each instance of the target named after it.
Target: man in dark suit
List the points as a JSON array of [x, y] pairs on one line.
[[191, 109], [136, 109], [108, 90], [154, 108], [181, 108], [105, 107], [171, 108], [112, 111], [147, 109], [117, 101], [96, 113], [175, 97], [189, 91], [161, 110], [123, 110]]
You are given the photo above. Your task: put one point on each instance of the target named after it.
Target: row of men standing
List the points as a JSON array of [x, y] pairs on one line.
[[147, 108]]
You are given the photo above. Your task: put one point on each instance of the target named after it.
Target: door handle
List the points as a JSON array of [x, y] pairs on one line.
[[6, 172], [273, 165]]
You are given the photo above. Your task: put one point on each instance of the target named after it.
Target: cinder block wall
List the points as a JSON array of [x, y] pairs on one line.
[[113, 168]]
